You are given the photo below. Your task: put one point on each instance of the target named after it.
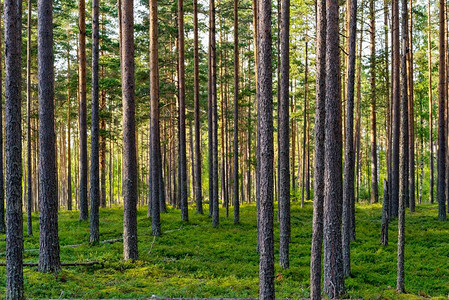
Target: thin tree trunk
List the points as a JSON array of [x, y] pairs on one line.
[[348, 189], [374, 181], [441, 155], [69, 156], [130, 250], [84, 210], [156, 170], [13, 102], [320, 116], [385, 218], [429, 69], [48, 192], [29, 179], [95, 135], [236, 115], [304, 144], [284, 147], [411, 119]]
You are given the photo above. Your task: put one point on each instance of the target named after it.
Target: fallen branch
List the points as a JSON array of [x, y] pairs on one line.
[[63, 264]]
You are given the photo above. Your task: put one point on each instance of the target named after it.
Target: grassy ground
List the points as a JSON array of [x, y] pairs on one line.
[[195, 260]]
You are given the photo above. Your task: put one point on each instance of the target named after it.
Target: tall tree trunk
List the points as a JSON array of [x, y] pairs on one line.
[[284, 128], [411, 119], [48, 189], [265, 132], [441, 158], [236, 115], [348, 189], [394, 191], [196, 95], [13, 102], [84, 209], [334, 285], [374, 181], [429, 69], [130, 250], [2, 185], [404, 148], [182, 115], [155, 150], [69, 127], [95, 135], [320, 116], [29, 179]]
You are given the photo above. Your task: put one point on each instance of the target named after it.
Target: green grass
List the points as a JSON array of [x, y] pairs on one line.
[[195, 260]]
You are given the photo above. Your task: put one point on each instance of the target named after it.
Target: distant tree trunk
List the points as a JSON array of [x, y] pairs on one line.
[[265, 132], [348, 189], [374, 181], [385, 220], [304, 144], [394, 191], [29, 173], [13, 104], [84, 209], [69, 122], [130, 250], [320, 116], [334, 285], [284, 142], [429, 69], [236, 115], [95, 134], [196, 95], [441, 158], [155, 150], [48, 188], [182, 115]]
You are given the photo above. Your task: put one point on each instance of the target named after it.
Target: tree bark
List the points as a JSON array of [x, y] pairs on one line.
[[374, 180], [48, 189], [266, 154], [348, 189], [156, 171], [29, 99], [320, 115], [333, 264], [13, 102], [385, 217], [95, 134], [130, 250], [236, 115], [429, 69], [441, 159]]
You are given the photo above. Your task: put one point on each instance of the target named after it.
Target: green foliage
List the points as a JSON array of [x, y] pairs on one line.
[[196, 260]]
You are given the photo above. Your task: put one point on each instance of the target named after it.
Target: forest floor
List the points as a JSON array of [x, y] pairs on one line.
[[195, 260]]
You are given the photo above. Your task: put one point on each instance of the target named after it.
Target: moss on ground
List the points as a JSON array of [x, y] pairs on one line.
[[195, 260]]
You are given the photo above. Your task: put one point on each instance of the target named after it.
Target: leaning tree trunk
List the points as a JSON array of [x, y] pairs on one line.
[[48, 188], [266, 154], [284, 131], [14, 230], [130, 250], [95, 134], [320, 115], [334, 285]]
